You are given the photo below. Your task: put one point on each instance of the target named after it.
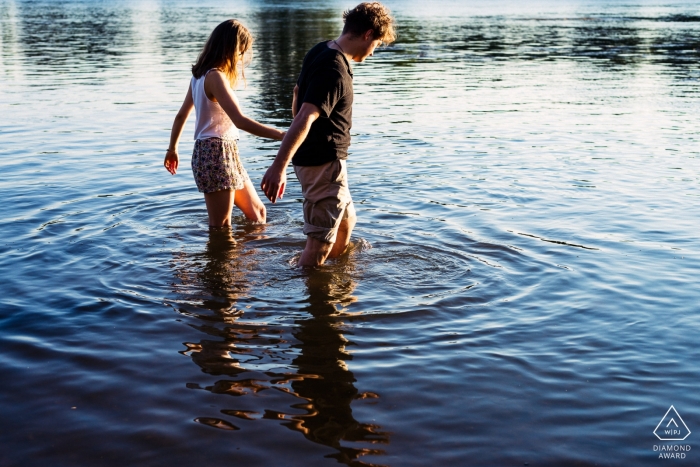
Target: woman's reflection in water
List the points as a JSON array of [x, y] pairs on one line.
[[306, 359], [216, 278], [213, 282]]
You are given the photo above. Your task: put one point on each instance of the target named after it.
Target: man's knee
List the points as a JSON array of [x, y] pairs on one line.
[[345, 227], [315, 252], [350, 221], [350, 215]]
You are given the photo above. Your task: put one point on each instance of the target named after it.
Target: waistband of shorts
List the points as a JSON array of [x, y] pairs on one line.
[[226, 140]]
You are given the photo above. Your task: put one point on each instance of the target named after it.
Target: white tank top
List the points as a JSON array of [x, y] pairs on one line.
[[211, 120]]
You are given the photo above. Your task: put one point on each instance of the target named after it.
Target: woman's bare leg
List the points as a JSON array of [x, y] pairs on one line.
[[248, 201], [219, 206]]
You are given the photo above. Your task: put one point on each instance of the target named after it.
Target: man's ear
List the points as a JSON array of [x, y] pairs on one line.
[[369, 35]]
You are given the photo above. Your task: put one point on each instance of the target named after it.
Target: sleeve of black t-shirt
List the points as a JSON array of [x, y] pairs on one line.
[[325, 90]]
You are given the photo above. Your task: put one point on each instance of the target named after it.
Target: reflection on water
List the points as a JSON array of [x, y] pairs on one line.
[[322, 353], [75, 39], [307, 359], [82, 38], [283, 35]]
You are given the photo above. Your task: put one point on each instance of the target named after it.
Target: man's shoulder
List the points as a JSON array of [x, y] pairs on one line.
[[315, 53], [322, 57]]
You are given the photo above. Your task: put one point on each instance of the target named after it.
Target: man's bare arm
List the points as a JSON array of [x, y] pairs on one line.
[[275, 179], [295, 95]]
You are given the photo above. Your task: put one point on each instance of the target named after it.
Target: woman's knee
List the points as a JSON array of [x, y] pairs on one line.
[[256, 212], [249, 203], [260, 213]]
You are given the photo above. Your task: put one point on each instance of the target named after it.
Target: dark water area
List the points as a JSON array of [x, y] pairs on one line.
[[520, 286]]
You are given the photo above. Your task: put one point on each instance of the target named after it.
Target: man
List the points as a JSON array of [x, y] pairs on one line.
[[317, 141]]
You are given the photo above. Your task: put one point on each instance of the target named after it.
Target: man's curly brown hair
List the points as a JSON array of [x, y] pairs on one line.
[[370, 15]]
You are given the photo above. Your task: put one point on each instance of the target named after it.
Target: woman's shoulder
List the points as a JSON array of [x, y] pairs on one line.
[[216, 81], [216, 75], [214, 72], [202, 77]]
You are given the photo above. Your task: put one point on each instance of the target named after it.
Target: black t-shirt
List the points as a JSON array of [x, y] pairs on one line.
[[325, 81]]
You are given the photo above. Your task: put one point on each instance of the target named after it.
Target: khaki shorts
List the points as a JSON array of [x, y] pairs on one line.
[[327, 199]]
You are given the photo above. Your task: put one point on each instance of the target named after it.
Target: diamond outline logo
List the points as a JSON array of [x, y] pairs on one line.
[[674, 422]]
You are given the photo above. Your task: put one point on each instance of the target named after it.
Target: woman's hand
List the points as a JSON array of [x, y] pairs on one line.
[[172, 160], [281, 137]]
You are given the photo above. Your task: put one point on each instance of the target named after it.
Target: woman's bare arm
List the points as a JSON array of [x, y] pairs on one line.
[[217, 85], [172, 159]]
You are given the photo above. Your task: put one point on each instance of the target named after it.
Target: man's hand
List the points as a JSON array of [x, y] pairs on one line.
[[172, 161], [274, 182], [275, 179]]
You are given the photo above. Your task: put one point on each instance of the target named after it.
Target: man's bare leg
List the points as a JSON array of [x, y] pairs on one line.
[[315, 252], [342, 240]]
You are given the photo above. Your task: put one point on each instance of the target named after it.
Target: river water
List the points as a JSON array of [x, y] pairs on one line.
[[520, 286]]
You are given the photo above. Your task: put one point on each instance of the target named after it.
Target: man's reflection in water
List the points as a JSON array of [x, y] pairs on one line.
[[307, 360], [323, 353]]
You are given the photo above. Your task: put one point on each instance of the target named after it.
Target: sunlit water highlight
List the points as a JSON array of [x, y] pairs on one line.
[[521, 287]]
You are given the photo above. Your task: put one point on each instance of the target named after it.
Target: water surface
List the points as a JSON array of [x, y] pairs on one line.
[[521, 288]]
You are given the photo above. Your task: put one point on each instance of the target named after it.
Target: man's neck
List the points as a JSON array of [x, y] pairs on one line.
[[345, 45]]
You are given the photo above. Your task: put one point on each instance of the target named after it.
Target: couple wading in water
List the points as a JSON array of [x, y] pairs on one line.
[[316, 143]]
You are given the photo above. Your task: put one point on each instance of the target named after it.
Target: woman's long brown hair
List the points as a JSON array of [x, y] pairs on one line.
[[224, 50]]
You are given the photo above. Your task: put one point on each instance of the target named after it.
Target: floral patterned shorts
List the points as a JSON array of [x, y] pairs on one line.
[[217, 166]]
